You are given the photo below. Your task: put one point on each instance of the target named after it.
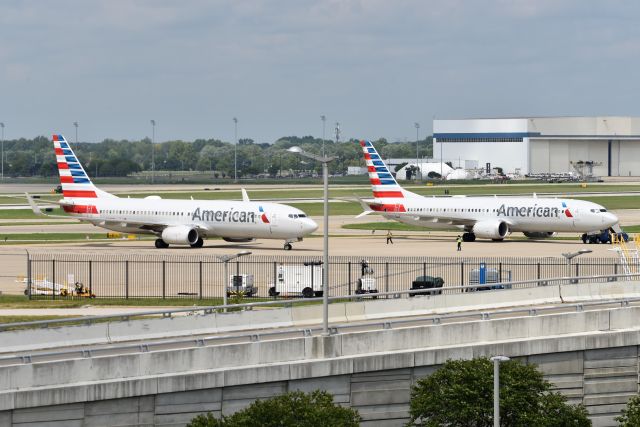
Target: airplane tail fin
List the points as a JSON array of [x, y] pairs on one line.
[[74, 180], [386, 190]]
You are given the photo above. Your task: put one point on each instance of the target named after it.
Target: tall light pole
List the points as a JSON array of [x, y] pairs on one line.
[[324, 121], [496, 388], [235, 150], [325, 255], [417, 125], [2, 153], [226, 259], [153, 151], [75, 124]]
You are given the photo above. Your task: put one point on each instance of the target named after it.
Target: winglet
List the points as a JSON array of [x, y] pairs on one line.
[[245, 196], [34, 207]]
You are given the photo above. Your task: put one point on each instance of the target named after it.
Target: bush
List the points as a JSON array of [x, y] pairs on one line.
[[630, 416], [293, 409]]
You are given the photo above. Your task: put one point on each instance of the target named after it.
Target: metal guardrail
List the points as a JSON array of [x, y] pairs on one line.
[[167, 313], [143, 347]]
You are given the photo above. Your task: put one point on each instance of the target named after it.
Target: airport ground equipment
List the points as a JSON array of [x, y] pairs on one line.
[[628, 253], [242, 283], [604, 236], [491, 276], [296, 280], [427, 282], [366, 282]]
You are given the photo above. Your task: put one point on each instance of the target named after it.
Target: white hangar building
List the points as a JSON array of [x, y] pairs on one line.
[[543, 144]]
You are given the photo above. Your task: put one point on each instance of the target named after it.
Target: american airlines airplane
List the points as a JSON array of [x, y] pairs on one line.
[[479, 217], [174, 222]]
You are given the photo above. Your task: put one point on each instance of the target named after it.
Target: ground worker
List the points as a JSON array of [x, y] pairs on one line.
[[459, 241], [389, 237]]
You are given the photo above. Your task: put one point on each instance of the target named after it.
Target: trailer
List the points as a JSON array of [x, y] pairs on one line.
[[298, 280], [241, 283]]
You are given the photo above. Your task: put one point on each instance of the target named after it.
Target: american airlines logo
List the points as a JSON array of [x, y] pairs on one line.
[[528, 211], [223, 216]]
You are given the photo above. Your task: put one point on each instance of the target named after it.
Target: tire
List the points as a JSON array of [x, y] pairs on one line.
[[198, 244], [307, 293], [272, 291], [161, 244], [318, 294], [287, 246]]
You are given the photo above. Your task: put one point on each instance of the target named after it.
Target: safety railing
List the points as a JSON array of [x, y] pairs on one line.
[[167, 313]]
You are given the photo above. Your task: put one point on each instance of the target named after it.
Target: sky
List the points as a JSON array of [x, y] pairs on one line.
[[375, 66]]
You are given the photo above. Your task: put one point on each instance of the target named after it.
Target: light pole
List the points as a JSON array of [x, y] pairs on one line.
[[226, 259], [235, 151], [417, 125], [2, 154], [324, 121], [496, 388], [325, 255], [153, 151], [569, 256], [76, 126]]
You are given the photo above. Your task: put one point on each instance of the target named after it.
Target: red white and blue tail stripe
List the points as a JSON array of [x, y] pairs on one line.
[[73, 178], [389, 196]]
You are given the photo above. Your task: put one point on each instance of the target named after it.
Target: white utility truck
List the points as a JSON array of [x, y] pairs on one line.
[[298, 280]]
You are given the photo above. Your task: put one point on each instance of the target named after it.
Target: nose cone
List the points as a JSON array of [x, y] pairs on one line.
[[309, 226], [609, 219]]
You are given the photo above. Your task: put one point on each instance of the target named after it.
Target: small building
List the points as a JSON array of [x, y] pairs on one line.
[[356, 170], [610, 146]]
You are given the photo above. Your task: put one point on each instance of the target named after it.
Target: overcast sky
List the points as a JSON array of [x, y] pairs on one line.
[[375, 66]]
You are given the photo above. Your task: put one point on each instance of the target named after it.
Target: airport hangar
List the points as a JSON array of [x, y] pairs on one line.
[[543, 144]]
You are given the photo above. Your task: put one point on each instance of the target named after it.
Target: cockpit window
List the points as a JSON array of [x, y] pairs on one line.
[[302, 215], [296, 216], [603, 210]]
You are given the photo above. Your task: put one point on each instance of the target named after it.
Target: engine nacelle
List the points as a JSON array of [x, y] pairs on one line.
[[539, 234], [238, 239], [180, 235], [491, 229]]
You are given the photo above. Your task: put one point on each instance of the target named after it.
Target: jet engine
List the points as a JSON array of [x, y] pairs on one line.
[[180, 235], [539, 234], [491, 229], [238, 239]]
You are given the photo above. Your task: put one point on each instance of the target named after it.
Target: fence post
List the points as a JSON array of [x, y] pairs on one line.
[[461, 273], [500, 272], [53, 279], [349, 270], [29, 275], [538, 273], [126, 279], [577, 270], [164, 283], [90, 278], [386, 277], [200, 272], [424, 268]]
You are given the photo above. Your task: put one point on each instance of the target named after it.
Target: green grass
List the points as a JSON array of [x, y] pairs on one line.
[[18, 319], [27, 214], [391, 225], [13, 224], [21, 301], [317, 209]]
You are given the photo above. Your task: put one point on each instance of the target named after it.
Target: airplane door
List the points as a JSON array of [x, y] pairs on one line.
[[273, 222]]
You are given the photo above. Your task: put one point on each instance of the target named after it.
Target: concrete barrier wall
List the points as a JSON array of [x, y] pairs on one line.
[[304, 316], [599, 369]]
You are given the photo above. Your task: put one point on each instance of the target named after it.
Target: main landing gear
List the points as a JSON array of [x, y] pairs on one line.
[[468, 237], [161, 244], [198, 244]]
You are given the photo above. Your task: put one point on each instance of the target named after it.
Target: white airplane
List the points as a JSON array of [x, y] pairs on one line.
[[483, 217], [175, 222]]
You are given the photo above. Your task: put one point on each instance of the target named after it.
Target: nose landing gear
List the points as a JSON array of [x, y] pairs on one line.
[[287, 246], [288, 242]]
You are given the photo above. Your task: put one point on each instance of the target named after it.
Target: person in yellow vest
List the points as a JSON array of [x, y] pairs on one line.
[[459, 241], [389, 237]]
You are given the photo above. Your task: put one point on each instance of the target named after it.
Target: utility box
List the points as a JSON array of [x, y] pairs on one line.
[[242, 283], [427, 282], [366, 282], [298, 280]]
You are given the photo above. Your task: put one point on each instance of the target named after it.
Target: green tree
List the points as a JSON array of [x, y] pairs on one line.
[[466, 386], [630, 416], [293, 409]]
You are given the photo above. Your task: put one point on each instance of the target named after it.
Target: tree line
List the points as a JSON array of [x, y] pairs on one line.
[[35, 157]]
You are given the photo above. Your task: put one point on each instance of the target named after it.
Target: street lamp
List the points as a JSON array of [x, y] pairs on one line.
[[325, 256], [153, 151], [324, 121], [2, 154], [496, 388], [417, 125], [226, 259], [235, 151], [569, 256], [76, 126]]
